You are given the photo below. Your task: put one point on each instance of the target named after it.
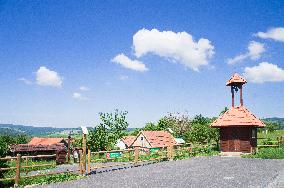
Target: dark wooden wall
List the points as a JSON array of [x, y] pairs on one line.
[[237, 139]]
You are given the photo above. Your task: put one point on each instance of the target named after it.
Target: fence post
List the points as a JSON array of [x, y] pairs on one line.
[[27, 164], [169, 153], [84, 152], [89, 159], [18, 169], [80, 162], [136, 155]]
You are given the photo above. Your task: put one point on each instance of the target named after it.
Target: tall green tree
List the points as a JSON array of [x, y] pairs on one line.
[[111, 128]]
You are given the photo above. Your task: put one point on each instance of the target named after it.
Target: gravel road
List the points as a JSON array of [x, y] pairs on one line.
[[194, 172]]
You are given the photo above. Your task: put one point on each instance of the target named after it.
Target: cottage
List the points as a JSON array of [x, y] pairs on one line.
[[125, 142], [238, 126], [40, 146], [154, 139]]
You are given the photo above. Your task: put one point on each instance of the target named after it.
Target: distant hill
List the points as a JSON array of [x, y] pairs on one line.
[[11, 129], [279, 121]]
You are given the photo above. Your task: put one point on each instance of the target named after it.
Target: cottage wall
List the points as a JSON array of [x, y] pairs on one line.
[[141, 141]]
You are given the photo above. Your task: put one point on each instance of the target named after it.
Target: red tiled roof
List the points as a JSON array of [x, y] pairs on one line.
[[45, 141], [159, 138], [29, 148], [236, 78], [237, 116], [128, 140]]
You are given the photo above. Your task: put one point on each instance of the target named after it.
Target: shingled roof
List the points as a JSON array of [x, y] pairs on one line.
[[159, 138], [236, 78], [45, 141], [237, 116], [128, 140]]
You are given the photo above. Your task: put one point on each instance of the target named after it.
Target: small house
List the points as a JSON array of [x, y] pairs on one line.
[[125, 142], [238, 126], [40, 146], [154, 139]]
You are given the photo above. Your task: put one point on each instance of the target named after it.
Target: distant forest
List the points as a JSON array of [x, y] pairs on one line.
[[10, 129]]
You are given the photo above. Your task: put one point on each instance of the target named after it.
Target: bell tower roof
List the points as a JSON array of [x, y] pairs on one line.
[[236, 79]]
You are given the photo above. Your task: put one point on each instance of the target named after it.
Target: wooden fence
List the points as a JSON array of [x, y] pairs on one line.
[[274, 143], [21, 166]]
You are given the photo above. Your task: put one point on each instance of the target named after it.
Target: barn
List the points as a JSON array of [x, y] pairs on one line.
[[238, 126]]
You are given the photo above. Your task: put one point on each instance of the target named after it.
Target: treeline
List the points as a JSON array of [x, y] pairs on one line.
[[180, 125], [113, 126]]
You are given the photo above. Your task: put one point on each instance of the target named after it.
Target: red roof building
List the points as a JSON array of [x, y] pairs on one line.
[[154, 139], [46, 141], [237, 125], [128, 140], [40, 146]]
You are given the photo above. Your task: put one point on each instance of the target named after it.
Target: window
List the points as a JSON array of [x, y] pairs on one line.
[[253, 133]]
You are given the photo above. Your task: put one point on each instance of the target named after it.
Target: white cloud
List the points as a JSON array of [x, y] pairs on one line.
[[26, 81], [276, 34], [129, 64], [178, 47], [84, 88], [264, 72], [79, 96], [46, 77], [255, 50]]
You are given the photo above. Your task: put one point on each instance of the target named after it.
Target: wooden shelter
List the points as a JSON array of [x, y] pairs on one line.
[[238, 126], [40, 146]]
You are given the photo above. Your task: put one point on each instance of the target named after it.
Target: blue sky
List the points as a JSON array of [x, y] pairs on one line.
[[62, 62]]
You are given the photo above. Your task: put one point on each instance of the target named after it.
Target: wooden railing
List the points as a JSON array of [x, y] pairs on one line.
[[22, 165], [274, 143]]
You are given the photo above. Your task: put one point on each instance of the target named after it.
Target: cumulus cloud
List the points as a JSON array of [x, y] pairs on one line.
[[84, 88], [264, 72], [126, 62], [79, 96], [178, 47], [276, 34], [46, 77], [255, 50], [26, 81]]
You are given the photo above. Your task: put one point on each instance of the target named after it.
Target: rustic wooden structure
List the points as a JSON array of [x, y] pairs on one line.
[[238, 126], [39, 146]]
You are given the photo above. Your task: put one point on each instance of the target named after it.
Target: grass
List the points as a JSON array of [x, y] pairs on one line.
[[42, 180], [268, 153]]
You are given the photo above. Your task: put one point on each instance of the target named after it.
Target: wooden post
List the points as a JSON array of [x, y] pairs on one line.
[[169, 152], [27, 164], [18, 170], [172, 152], [241, 96], [233, 96], [80, 162], [89, 159], [84, 153], [68, 154], [136, 155]]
